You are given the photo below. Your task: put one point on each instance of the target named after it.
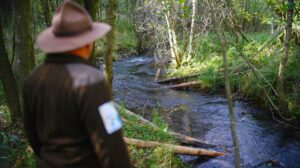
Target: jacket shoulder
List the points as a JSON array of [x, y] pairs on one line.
[[84, 75]]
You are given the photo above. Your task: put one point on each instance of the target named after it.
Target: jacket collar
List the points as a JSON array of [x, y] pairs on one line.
[[64, 58]]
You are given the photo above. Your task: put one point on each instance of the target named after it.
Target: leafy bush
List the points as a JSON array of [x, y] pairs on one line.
[[15, 152]]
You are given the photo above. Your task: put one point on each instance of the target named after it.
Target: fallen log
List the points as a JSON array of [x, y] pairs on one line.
[[130, 113], [179, 137], [184, 85], [175, 148], [176, 79]]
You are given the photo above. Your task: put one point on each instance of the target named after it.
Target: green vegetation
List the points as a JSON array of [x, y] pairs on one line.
[[14, 149], [261, 53], [126, 41], [156, 157], [125, 36]]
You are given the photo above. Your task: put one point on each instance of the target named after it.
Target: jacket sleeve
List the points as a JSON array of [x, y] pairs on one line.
[[109, 148], [30, 125]]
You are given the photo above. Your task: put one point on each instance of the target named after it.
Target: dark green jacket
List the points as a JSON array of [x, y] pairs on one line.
[[61, 115]]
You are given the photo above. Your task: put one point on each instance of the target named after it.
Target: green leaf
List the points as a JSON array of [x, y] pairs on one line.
[[181, 2]]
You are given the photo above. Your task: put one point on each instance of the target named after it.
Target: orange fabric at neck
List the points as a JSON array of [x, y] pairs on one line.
[[83, 52]]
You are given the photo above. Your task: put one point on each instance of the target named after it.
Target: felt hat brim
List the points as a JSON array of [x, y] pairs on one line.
[[49, 43]]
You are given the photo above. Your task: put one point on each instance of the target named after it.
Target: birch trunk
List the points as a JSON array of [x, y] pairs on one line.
[[284, 58], [272, 26], [171, 36], [189, 51]]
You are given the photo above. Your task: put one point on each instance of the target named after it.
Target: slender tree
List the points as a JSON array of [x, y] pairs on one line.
[[217, 28], [169, 11], [284, 57], [190, 46], [8, 81], [24, 53], [92, 7], [109, 54]]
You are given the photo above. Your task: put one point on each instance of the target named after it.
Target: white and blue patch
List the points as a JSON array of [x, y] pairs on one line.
[[110, 116]]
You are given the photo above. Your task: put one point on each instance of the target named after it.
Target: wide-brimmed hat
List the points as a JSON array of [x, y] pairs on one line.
[[72, 27]]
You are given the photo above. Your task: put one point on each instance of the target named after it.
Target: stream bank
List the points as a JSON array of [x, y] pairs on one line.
[[263, 142]]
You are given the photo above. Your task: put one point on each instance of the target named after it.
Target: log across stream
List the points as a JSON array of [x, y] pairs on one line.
[[263, 142]]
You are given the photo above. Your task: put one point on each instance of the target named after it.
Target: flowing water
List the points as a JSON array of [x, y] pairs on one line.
[[263, 142]]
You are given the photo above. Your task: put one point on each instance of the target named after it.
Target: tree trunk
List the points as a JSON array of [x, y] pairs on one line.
[[172, 35], [284, 57], [272, 26], [227, 86], [46, 10], [24, 53], [175, 148], [109, 53], [92, 7], [9, 82], [189, 51]]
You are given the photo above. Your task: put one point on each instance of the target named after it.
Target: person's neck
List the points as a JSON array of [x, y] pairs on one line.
[[80, 53]]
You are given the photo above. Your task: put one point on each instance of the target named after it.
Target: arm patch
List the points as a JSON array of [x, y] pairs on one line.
[[110, 117]]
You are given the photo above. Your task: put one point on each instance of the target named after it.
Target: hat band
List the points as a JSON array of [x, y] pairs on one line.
[[68, 34]]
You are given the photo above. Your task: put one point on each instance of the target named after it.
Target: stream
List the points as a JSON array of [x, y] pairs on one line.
[[263, 142]]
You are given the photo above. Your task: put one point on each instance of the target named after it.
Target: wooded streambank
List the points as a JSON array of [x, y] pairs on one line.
[[205, 117]]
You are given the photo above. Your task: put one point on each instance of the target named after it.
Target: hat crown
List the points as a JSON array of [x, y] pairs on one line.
[[71, 19]]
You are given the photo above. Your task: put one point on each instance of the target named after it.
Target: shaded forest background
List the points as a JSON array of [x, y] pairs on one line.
[[260, 40]]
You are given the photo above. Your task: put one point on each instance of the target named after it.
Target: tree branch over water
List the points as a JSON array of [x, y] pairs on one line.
[[221, 38]]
